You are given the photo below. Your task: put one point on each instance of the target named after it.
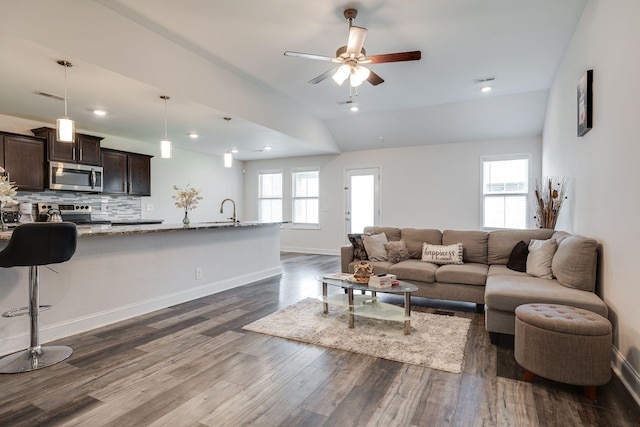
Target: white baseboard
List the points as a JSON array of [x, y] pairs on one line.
[[314, 251], [629, 376], [96, 320]]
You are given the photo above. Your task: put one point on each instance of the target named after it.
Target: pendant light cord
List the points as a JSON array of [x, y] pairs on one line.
[[65, 90], [165, 117]]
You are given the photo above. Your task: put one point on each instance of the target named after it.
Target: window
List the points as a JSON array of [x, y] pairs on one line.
[[505, 191], [305, 201], [270, 196]]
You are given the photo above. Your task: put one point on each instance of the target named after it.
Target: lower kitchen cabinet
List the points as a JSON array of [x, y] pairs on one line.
[[23, 158], [126, 173]]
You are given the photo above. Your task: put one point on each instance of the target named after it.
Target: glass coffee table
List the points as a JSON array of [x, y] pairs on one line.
[[368, 305]]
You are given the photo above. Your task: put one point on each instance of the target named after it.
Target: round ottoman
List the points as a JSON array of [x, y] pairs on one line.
[[564, 344]]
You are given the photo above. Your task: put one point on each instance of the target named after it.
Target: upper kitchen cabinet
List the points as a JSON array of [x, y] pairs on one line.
[[23, 158], [85, 150], [126, 173]]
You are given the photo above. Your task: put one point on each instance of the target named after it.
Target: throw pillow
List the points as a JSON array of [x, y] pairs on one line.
[[359, 252], [540, 256], [439, 254], [397, 251], [518, 258], [574, 264], [374, 244]]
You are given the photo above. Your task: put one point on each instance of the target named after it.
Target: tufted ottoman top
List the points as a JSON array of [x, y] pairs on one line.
[[563, 319]]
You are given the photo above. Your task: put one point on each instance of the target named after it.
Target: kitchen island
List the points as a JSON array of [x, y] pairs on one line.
[[119, 272]]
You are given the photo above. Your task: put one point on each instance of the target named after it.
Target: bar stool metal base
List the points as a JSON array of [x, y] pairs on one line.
[[30, 360]]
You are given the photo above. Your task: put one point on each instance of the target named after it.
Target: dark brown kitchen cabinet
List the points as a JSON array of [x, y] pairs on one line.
[[23, 158], [85, 150], [126, 173]]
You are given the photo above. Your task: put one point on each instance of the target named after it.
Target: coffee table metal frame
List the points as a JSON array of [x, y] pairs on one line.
[[368, 306]]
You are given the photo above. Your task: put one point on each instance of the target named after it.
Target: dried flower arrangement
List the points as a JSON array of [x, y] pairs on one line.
[[7, 189], [549, 197], [187, 198]]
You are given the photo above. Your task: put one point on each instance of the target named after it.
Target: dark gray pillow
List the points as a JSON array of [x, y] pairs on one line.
[[359, 252], [518, 258]]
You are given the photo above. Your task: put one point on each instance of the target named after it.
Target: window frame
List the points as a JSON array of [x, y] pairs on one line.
[[281, 198], [483, 197], [304, 225]]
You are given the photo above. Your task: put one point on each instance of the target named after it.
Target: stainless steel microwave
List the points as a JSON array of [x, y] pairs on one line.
[[70, 176]]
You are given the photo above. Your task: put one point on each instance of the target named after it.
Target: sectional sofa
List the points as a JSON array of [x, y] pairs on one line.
[[483, 277]]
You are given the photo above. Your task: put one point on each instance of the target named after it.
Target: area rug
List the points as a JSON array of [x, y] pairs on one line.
[[436, 341]]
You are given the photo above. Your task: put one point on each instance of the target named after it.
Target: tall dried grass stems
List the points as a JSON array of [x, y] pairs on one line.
[[549, 197]]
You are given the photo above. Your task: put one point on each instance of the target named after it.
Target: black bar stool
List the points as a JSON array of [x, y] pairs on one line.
[[33, 245]]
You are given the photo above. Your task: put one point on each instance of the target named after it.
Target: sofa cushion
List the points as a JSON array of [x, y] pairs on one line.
[[506, 292], [374, 244], [474, 244], [359, 252], [414, 269], [518, 258], [539, 259], [439, 254], [499, 269], [467, 274], [415, 237], [392, 233], [501, 242], [574, 263], [397, 251]]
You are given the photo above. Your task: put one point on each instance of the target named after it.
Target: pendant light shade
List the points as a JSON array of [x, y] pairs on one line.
[[228, 156], [165, 144], [65, 127]]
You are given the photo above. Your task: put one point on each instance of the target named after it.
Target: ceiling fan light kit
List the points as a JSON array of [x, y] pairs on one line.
[[351, 56]]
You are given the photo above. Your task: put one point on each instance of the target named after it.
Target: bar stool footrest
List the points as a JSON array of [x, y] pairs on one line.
[[23, 311]]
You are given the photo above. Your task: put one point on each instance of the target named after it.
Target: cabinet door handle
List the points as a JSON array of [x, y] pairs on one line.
[[124, 187], [73, 153], [79, 153]]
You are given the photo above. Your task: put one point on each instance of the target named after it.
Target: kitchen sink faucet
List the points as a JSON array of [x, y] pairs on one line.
[[235, 221]]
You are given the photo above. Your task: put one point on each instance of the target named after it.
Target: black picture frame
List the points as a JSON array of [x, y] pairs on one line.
[[585, 103]]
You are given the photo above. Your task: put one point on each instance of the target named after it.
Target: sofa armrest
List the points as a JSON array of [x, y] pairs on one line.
[[346, 256]]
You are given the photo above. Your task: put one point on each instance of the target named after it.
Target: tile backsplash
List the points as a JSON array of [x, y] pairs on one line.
[[103, 206]]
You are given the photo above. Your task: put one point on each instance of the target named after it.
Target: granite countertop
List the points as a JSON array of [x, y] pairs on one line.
[[111, 230]]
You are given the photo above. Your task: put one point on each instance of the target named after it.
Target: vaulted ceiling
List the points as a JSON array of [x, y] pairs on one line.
[[224, 58]]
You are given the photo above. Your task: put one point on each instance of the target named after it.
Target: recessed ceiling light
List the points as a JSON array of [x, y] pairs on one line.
[[193, 135], [485, 89], [234, 150], [354, 108], [266, 148], [100, 113]]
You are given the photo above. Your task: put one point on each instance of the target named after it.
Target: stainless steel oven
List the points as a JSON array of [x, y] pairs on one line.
[[70, 176]]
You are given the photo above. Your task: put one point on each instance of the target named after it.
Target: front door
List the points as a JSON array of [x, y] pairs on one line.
[[362, 191]]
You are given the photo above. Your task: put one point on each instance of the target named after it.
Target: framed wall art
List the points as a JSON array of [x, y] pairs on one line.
[[585, 103]]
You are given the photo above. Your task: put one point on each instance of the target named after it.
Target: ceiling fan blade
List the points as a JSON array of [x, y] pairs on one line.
[[393, 57], [324, 75], [309, 56], [374, 79], [356, 40]]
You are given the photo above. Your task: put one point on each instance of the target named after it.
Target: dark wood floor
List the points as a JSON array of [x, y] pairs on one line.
[[193, 365]]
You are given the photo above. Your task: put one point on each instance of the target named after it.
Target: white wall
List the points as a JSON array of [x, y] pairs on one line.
[[202, 171], [436, 186], [603, 165]]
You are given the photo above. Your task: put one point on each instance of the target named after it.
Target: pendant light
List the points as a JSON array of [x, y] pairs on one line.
[[228, 156], [65, 127], [165, 144]]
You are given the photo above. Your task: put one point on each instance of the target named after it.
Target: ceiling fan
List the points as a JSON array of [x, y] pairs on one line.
[[351, 57]]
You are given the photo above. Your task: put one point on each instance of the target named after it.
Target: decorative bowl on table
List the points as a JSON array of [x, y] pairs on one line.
[[361, 272]]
